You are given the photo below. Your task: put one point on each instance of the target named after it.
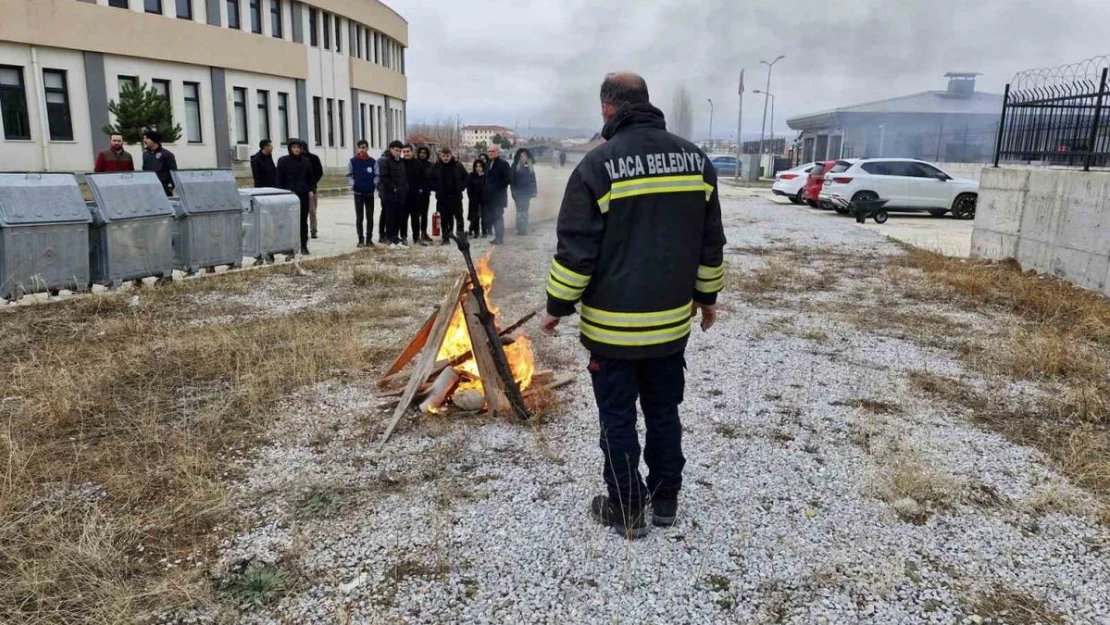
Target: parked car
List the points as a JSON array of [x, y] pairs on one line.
[[909, 185], [815, 180], [792, 182], [727, 165]]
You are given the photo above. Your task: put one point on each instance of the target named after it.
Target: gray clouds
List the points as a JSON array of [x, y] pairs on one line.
[[498, 61]]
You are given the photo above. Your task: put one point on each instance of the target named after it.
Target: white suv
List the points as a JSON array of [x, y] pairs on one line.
[[908, 184]]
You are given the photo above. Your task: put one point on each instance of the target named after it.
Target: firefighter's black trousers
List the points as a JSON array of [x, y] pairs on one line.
[[658, 383]]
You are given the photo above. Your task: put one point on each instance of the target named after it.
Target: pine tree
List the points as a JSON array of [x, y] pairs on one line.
[[141, 108]]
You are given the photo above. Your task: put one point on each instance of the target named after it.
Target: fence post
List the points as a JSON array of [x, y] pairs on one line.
[[1098, 118], [1001, 125]]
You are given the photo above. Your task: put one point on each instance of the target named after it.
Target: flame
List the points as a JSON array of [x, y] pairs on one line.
[[457, 341]]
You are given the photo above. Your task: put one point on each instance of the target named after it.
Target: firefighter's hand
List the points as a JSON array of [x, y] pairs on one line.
[[549, 323], [708, 315]]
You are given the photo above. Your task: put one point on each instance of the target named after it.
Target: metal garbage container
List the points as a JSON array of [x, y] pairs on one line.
[[132, 233], [209, 226], [44, 235], [271, 223]]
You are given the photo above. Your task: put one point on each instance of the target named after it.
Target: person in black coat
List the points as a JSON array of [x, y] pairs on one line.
[[262, 165], [449, 182], [498, 178], [423, 156], [524, 187], [476, 191], [294, 174], [393, 189], [159, 160], [317, 175]]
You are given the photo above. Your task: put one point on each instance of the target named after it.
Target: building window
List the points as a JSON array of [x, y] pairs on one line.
[[127, 81], [276, 30], [362, 120], [239, 101], [233, 14], [402, 60], [153, 6], [381, 128], [342, 124], [318, 138], [283, 117], [185, 9], [331, 123], [119, 4], [263, 114], [192, 113], [13, 104], [327, 31], [313, 28], [255, 7], [162, 87], [338, 35], [357, 44], [57, 105]]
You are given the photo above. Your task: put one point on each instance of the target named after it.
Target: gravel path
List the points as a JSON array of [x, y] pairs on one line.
[[788, 515]]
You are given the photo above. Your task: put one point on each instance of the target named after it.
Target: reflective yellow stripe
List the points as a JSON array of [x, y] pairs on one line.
[[633, 339], [710, 286], [657, 180], [603, 202], [708, 191], [661, 184], [563, 292], [636, 320], [710, 273], [566, 275]]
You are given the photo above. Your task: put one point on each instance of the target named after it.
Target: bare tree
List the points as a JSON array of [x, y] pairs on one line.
[[682, 114], [442, 133]]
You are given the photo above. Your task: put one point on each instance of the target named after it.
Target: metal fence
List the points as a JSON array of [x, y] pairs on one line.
[[1057, 116]]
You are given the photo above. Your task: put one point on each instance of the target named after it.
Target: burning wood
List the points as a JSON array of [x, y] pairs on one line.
[[441, 389]]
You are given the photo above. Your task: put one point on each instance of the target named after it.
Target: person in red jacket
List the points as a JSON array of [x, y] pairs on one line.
[[115, 158]]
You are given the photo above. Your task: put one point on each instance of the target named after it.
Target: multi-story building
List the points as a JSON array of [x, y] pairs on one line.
[[235, 72], [472, 135]]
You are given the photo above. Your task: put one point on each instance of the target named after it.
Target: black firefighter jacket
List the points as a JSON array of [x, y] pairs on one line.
[[640, 239]]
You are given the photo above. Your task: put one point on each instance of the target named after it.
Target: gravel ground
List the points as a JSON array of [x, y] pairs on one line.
[[787, 515]]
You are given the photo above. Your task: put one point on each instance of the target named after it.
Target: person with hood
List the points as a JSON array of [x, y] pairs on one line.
[[393, 188], [498, 178], [524, 188], [262, 165], [115, 158], [449, 182], [159, 160], [423, 202], [317, 175], [362, 174], [476, 191], [294, 174]]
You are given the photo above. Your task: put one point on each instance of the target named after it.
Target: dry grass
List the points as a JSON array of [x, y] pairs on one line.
[[1014, 607], [116, 424]]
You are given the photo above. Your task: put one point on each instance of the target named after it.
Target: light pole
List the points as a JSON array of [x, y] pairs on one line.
[[763, 129], [710, 124], [771, 141]]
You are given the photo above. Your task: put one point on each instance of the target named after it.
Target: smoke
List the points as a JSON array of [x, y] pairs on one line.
[[682, 114]]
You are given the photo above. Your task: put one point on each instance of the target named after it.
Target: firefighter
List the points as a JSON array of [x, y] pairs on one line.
[[640, 246]]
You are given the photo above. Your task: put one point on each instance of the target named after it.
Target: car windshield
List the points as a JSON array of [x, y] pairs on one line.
[[840, 167]]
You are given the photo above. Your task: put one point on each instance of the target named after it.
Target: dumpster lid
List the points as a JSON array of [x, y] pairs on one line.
[[128, 195], [207, 191], [30, 199]]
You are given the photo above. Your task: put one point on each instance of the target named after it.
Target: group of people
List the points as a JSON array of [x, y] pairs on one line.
[[155, 158]]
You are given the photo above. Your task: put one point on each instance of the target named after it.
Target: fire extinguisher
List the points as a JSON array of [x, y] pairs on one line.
[[435, 224]]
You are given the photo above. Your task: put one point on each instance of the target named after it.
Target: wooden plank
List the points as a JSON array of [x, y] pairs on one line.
[[427, 358], [542, 378], [402, 377], [556, 382], [494, 387], [461, 358], [413, 348]]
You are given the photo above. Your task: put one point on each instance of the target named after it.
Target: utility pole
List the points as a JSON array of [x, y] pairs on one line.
[[766, 100], [771, 141], [710, 124], [739, 127]]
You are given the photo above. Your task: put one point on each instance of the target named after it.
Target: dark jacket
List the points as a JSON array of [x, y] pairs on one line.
[[161, 161], [498, 177], [416, 172], [524, 181], [110, 160], [475, 188], [294, 173], [362, 174], [640, 239], [426, 189], [263, 170], [448, 179], [317, 167], [393, 185]]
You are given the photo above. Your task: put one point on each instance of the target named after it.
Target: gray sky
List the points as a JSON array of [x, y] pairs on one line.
[[496, 61]]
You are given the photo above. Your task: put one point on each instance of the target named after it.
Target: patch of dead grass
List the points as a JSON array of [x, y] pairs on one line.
[[1003, 604]]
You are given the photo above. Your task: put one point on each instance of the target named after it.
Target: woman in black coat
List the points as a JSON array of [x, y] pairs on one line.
[[476, 190], [524, 187]]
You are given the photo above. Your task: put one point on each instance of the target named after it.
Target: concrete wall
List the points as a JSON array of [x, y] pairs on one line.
[[1052, 220]]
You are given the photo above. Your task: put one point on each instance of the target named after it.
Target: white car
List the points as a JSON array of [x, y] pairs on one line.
[[792, 182], [908, 184]]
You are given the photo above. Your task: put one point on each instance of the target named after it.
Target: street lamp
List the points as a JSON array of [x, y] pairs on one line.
[[763, 129], [771, 141], [710, 124]]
